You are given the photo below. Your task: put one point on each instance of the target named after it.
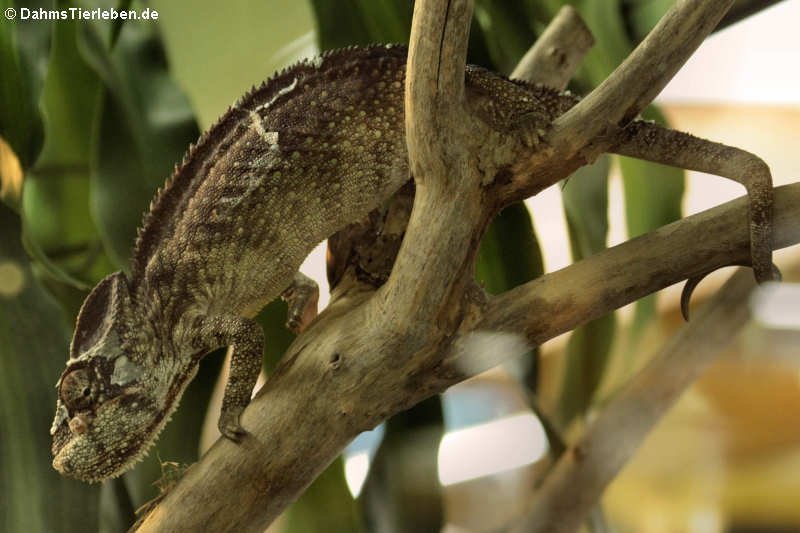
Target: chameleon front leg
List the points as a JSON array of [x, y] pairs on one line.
[[246, 339], [648, 141]]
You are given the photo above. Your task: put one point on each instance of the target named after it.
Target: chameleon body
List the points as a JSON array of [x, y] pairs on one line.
[[293, 161]]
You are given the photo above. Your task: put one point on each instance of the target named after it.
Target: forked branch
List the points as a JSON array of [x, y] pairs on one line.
[[374, 353]]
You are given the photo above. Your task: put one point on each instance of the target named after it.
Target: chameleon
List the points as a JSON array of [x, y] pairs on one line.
[[314, 148]]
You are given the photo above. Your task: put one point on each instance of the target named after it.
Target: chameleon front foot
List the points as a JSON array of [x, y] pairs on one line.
[[246, 340]]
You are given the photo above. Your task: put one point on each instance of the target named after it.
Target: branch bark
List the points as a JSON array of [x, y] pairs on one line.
[[373, 353], [576, 482], [563, 300]]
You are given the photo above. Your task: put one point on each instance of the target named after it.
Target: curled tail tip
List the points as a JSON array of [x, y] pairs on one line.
[[686, 293]]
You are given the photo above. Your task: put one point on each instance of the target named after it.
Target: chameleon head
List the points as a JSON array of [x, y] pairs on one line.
[[110, 406], [101, 424]]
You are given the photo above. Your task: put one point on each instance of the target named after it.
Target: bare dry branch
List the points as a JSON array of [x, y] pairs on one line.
[[373, 353], [563, 300], [556, 54], [439, 159], [575, 484]]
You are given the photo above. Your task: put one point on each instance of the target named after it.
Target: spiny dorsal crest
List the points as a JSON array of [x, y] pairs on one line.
[[179, 189]]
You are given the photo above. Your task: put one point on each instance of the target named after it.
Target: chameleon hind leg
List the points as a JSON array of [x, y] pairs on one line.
[[302, 297], [650, 142]]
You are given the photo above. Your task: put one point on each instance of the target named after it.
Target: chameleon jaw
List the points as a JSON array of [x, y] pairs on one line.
[[100, 450]]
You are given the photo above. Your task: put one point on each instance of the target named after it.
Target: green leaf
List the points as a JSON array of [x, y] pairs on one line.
[[242, 44], [585, 197], [326, 506], [273, 321], [34, 342], [643, 15], [58, 229], [653, 195], [144, 127], [362, 22], [402, 491], [507, 30], [612, 43], [509, 255], [20, 121]]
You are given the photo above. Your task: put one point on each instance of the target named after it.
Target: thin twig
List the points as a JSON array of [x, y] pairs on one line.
[[556, 54], [580, 476]]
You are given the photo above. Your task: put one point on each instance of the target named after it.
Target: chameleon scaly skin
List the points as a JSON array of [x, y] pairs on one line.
[[314, 148]]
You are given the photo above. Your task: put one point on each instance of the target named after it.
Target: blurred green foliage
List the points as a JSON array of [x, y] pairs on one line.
[[97, 113]]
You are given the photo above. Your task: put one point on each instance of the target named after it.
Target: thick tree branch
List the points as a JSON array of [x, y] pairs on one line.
[[563, 300], [439, 155], [557, 53], [576, 482], [372, 353]]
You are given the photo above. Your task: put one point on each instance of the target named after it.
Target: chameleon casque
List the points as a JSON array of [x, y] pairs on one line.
[[293, 161]]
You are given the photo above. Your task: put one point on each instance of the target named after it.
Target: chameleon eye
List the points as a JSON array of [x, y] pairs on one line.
[[76, 390]]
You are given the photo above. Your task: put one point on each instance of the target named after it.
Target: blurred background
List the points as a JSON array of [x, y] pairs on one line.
[[93, 114]]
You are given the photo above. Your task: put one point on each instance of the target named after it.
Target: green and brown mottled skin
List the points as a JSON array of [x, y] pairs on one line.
[[311, 150]]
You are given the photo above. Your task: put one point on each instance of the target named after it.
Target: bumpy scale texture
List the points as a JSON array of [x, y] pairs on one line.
[[296, 159]]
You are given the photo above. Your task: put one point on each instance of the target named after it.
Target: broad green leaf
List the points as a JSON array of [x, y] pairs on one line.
[[611, 42], [643, 15], [508, 256], [508, 33], [273, 321], [585, 197], [361, 22], [144, 127], [325, 507], [218, 51], [34, 342], [20, 83], [653, 195], [58, 229], [402, 491]]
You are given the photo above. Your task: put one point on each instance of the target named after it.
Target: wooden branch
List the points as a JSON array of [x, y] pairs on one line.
[[577, 481], [557, 53], [563, 300], [371, 354], [341, 376], [336, 380], [634, 84], [439, 140]]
